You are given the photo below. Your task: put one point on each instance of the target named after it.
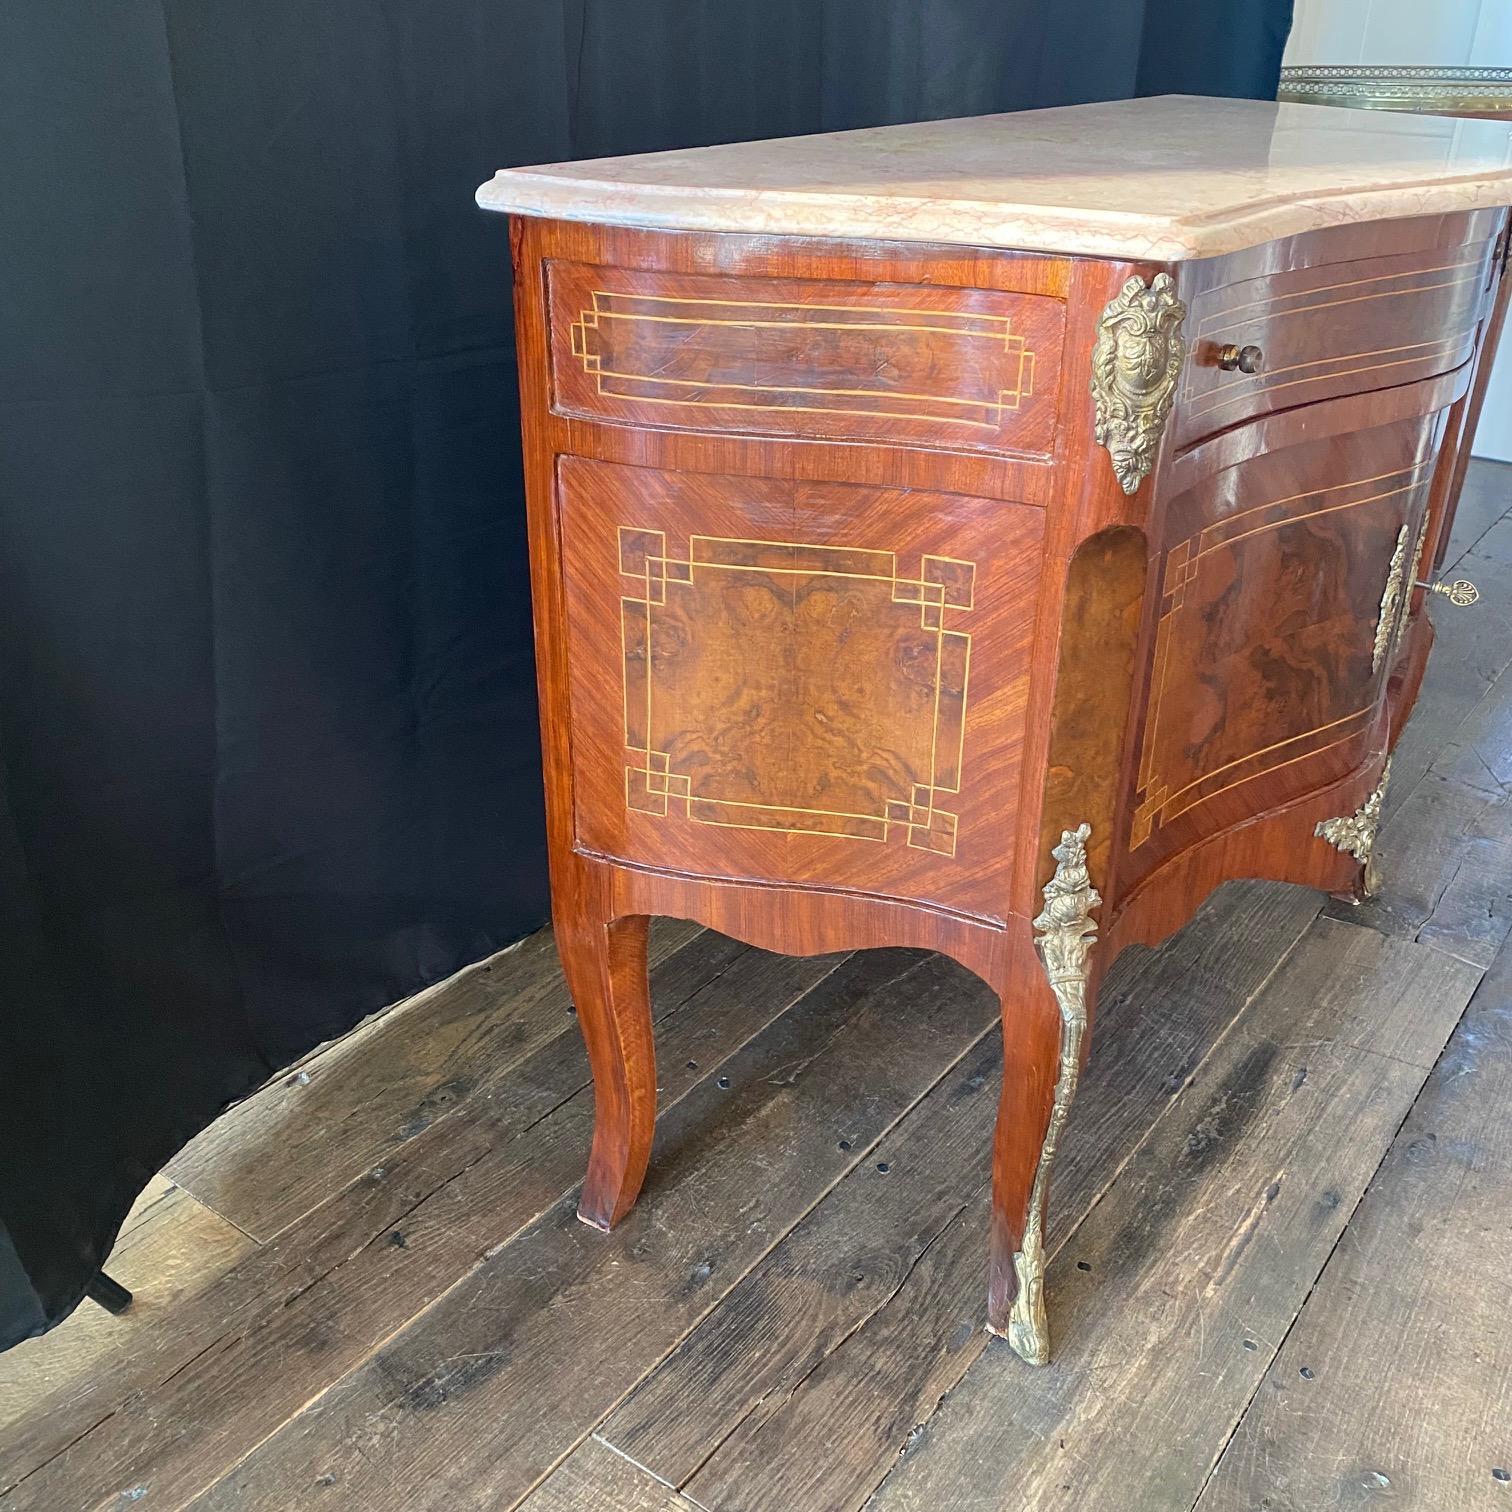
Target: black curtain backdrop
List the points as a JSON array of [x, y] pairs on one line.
[[267, 730]]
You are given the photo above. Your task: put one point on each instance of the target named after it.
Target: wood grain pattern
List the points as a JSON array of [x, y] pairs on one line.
[[1395, 1383], [1342, 328], [364, 1096], [316, 1302], [436, 1418], [1273, 588], [962, 368], [801, 1388], [170, 1250], [1174, 1293], [1105, 588], [803, 682], [594, 1478]]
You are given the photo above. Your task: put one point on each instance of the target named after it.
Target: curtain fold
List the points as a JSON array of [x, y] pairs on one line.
[[268, 756]]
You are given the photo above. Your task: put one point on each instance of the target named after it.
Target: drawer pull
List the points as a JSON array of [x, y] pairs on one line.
[[1243, 359], [1461, 593]]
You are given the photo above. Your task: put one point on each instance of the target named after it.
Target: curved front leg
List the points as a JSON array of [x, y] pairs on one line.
[[605, 966], [1044, 1038]]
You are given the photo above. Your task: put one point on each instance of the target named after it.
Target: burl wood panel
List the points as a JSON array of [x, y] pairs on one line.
[[798, 682], [1270, 653], [1337, 328], [842, 360]]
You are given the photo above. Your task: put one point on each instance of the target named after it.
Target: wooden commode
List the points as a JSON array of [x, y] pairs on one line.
[[986, 536]]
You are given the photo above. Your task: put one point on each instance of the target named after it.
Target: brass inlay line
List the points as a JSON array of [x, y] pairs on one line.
[[1182, 565], [1162, 656], [795, 409], [798, 388], [777, 304], [1142, 825], [1255, 380], [1279, 766], [637, 317], [1270, 388], [1168, 798], [1312, 514], [886, 400], [1229, 311], [652, 787], [1311, 493], [1333, 304]]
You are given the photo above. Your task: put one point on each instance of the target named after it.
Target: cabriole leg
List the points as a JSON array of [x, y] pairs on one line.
[[605, 966], [1041, 1047]]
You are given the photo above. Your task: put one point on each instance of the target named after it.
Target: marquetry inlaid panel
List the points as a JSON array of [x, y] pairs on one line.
[[970, 369], [791, 681], [1280, 594], [1334, 329], [805, 763]]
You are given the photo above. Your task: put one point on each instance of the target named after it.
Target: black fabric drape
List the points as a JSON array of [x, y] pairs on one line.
[[267, 732]]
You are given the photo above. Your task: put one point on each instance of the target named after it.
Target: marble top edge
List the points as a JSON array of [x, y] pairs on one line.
[[1170, 178]]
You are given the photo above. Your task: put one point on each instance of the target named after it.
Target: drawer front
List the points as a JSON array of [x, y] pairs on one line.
[[797, 682], [1341, 328], [951, 368], [1282, 594]]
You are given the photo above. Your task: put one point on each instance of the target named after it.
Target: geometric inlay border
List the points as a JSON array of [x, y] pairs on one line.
[[667, 321], [942, 588]]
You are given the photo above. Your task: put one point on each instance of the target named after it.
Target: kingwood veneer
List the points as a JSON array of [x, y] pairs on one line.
[[987, 536]]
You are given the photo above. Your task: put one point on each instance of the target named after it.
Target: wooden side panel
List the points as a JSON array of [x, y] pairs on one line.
[[1338, 328], [1279, 613], [965, 368], [1094, 683], [797, 682]]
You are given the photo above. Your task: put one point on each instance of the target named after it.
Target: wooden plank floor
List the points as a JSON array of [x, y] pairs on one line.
[[1281, 1223]]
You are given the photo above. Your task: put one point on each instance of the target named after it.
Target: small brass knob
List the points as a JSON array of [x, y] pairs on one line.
[[1243, 359], [1461, 593]]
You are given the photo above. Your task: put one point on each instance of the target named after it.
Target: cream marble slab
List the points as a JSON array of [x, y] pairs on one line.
[[1164, 179]]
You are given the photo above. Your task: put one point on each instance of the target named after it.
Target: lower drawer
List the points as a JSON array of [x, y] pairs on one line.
[[798, 682]]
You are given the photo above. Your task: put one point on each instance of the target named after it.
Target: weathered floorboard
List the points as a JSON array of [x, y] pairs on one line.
[[366, 1325], [888, 1271], [1174, 1294], [478, 1400], [264, 1344], [1395, 1384], [356, 1099], [595, 1478]]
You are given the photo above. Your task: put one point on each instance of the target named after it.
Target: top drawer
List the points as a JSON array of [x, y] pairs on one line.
[[940, 367], [1341, 328]]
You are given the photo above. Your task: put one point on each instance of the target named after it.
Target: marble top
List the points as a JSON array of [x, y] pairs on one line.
[[1173, 177]]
